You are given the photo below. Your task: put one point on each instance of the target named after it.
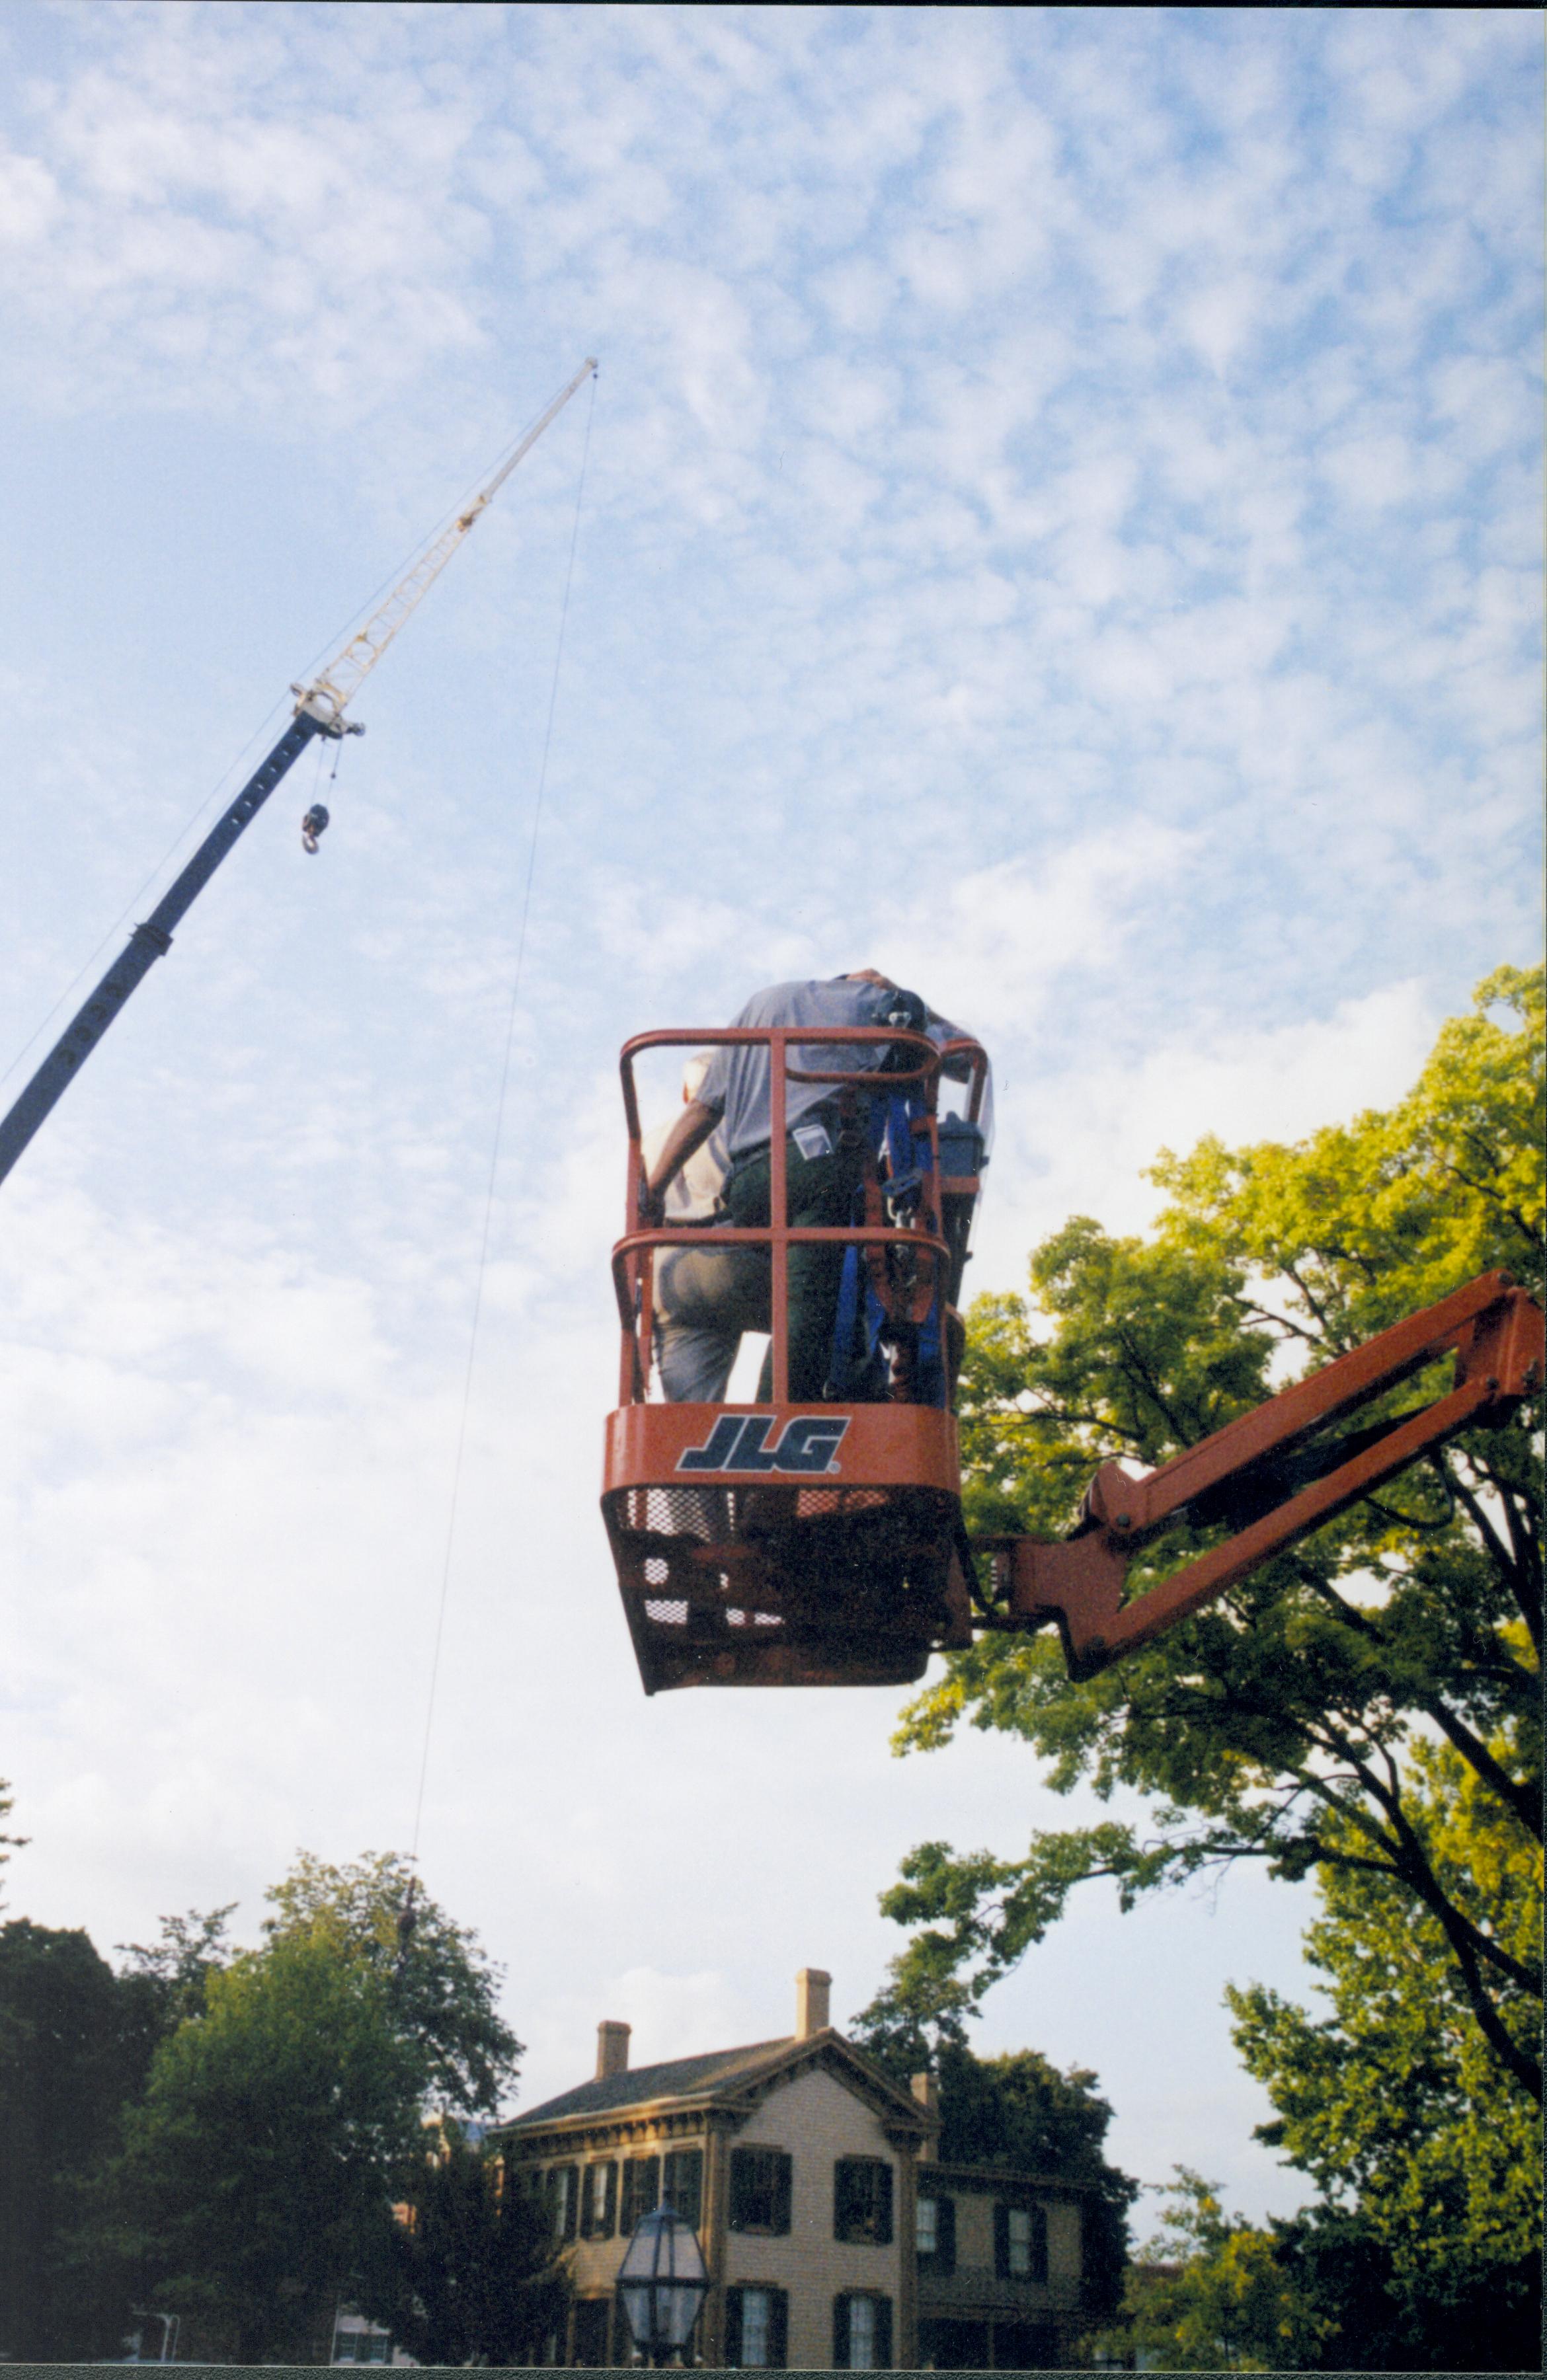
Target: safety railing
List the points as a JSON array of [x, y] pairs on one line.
[[634, 1255]]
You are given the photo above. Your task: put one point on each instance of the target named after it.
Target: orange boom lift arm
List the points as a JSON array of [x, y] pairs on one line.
[[1266, 1472]]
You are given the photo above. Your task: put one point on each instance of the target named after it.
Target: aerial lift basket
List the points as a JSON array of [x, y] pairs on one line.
[[780, 1543]]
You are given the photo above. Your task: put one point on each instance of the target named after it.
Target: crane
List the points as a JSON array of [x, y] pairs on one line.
[[319, 710], [782, 1544]]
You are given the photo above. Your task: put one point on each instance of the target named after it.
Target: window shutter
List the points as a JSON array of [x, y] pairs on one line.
[[1039, 2243], [732, 2328], [945, 2235], [609, 2209], [840, 2332], [1002, 2242], [779, 2329], [882, 2334], [684, 2183], [782, 2170], [882, 2204], [843, 2198], [741, 2188]]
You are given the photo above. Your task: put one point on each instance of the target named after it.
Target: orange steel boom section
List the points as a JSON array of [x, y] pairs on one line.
[[1497, 1331], [823, 1544]]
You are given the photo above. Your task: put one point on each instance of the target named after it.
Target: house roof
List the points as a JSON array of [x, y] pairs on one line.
[[723, 2074], [677, 2078]]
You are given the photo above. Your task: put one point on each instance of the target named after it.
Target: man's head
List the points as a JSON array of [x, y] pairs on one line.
[[907, 1012]]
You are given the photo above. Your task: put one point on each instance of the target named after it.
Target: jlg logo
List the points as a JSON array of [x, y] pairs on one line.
[[739, 1443]]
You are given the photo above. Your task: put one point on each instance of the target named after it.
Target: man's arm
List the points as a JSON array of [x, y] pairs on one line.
[[689, 1132]]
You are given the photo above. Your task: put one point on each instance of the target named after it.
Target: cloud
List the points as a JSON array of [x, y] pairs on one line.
[[1060, 523]]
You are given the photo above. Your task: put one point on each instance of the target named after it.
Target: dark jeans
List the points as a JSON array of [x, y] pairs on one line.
[[819, 1193]]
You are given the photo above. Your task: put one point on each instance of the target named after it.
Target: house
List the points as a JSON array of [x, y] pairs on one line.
[[832, 2237], [999, 2269]]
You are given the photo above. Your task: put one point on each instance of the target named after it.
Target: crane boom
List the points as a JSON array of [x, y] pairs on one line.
[[327, 694], [319, 711]]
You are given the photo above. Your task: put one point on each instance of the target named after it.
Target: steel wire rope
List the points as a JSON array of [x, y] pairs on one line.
[[458, 1461], [209, 801]]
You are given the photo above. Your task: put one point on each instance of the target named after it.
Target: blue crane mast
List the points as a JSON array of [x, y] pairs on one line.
[[319, 710]]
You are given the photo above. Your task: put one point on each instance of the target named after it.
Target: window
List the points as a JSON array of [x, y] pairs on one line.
[[862, 2200], [756, 2329], [599, 2201], [861, 2332], [366, 2345], [1020, 2243], [682, 2182], [936, 2235], [564, 2199], [641, 2189], [589, 2349], [759, 2191]]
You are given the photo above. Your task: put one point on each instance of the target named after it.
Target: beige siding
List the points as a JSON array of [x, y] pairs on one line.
[[816, 2121]]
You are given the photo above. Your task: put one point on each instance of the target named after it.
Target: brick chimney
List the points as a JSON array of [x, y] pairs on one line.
[[813, 1986], [926, 2090], [612, 2048]]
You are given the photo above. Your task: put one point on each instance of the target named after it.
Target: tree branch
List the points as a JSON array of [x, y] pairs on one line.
[[1520, 1798], [1530, 1605]]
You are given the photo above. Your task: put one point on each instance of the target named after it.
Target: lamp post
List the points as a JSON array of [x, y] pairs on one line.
[[662, 2282]]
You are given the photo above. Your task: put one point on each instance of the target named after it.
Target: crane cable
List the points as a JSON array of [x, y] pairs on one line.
[[458, 1462]]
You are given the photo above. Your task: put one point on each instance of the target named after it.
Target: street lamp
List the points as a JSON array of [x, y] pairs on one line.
[[663, 2281]]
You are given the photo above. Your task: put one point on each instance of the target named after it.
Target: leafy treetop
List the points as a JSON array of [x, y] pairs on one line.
[[1276, 1725]]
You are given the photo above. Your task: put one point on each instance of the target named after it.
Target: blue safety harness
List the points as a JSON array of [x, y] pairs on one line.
[[862, 1318]]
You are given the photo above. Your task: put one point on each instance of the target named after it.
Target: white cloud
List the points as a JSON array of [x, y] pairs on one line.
[[1061, 524]]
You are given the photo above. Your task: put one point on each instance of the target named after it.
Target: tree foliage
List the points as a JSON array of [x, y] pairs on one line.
[[1280, 1724], [8, 1844], [442, 1988], [263, 2150], [1209, 2293], [1393, 2103], [470, 2273], [281, 2097], [66, 2063]]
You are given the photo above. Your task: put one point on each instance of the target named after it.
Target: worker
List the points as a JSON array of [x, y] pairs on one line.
[[823, 1173], [704, 1296]]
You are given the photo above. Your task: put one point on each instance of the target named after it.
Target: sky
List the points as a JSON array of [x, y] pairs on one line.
[[1060, 524]]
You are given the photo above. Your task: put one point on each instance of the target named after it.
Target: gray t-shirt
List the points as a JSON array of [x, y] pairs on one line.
[[737, 1085]]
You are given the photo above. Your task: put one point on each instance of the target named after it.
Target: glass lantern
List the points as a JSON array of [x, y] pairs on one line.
[[663, 2281]]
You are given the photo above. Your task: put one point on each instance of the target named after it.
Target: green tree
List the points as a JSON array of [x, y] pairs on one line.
[[263, 2152], [1394, 2104], [1277, 1725], [64, 2069], [441, 1987], [470, 2273], [284, 2100], [1212, 2294], [8, 1844]]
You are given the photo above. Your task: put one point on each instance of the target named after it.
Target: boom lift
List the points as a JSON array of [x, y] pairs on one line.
[[781, 1544], [319, 710]]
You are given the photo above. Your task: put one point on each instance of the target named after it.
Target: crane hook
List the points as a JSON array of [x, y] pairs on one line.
[[313, 824]]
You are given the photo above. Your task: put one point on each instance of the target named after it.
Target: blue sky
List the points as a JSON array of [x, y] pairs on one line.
[[1061, 525]]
